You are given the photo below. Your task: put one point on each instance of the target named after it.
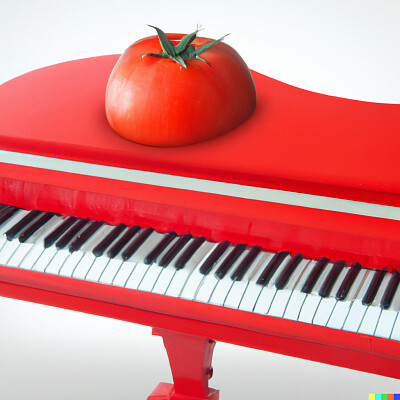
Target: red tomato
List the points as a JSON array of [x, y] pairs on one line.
[[157, 102]]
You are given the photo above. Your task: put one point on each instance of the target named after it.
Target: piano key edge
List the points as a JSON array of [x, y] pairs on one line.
[[341, 348]]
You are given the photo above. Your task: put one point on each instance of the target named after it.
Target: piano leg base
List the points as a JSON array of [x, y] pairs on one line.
[[166, 391], [190, 360]]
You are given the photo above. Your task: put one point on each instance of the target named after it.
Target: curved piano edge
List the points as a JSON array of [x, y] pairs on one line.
[[345, 349]]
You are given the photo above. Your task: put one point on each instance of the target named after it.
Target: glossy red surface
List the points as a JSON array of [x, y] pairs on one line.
[[296, 140], [190, 360], [317, 343]]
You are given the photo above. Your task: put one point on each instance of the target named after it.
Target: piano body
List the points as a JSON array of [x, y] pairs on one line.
[[282, 235]]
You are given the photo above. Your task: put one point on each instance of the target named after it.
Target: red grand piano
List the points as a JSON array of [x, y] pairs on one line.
[[282, 235]]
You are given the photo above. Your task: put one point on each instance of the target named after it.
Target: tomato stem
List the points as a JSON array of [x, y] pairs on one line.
[[183, 50]]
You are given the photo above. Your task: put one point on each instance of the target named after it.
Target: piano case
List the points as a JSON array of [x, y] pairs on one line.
[[307, 173]]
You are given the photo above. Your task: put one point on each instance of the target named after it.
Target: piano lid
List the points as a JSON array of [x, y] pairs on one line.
[[296, 140]]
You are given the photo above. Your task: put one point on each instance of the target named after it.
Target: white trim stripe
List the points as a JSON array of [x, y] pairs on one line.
[[202, 185]]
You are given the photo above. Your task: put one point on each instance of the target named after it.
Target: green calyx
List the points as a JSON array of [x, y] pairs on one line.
[[183, 50]]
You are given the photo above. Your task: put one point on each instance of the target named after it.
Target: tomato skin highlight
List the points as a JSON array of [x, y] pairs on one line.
[[157, 102]]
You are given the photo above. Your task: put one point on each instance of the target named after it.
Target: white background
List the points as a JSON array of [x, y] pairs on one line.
[[344, 48]]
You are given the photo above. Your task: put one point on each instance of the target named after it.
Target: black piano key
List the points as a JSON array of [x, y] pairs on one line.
[[351, 276], [271, 267], [174, 250], [288, 270], [245, 264], [28, 232], [101, 247], [230, 260], [23, 223], [84, 236], [209, 263], [165, 241], [189, 251], [373, 287], [330, 280], [56, 234], [4, 209], [70, 234], [114, 251], [390, 290], [314, 275], [7, 213], [136, 243]]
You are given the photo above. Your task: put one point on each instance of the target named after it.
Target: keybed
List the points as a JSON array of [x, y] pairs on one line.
[[335, 294]]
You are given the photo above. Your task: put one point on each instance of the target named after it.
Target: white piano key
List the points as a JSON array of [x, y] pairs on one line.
[[221, 291], [124, 273], [57, 262], [210, 281], [112, 269], [282, 296], [81, 268], [395, 335], [45, 258], [207, 287], [312, 300], [136, 276], [32, 256], [35, 240], [70, 263], [294, 305], [195, 279], [239, 288], [253, 289], [385, 324], [154, 270], [297, 298], [342, 308], [20, 254], [167, 273], [327, 304], [388, 317], [371, 317], [141, 268], [370, 320], [62, 257], [39, 257], [150, 278], [308, 308], [267, 294], [103, 266], [80, 261], [355, 316], [125, 268], [357, 309], [181, 277], [8, 251], [97, 268], [222, 288], [164, 279]]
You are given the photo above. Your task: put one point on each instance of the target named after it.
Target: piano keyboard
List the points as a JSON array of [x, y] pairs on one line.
[[334, 294]]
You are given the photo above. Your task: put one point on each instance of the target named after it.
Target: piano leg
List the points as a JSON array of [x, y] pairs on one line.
[[190, 360]]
